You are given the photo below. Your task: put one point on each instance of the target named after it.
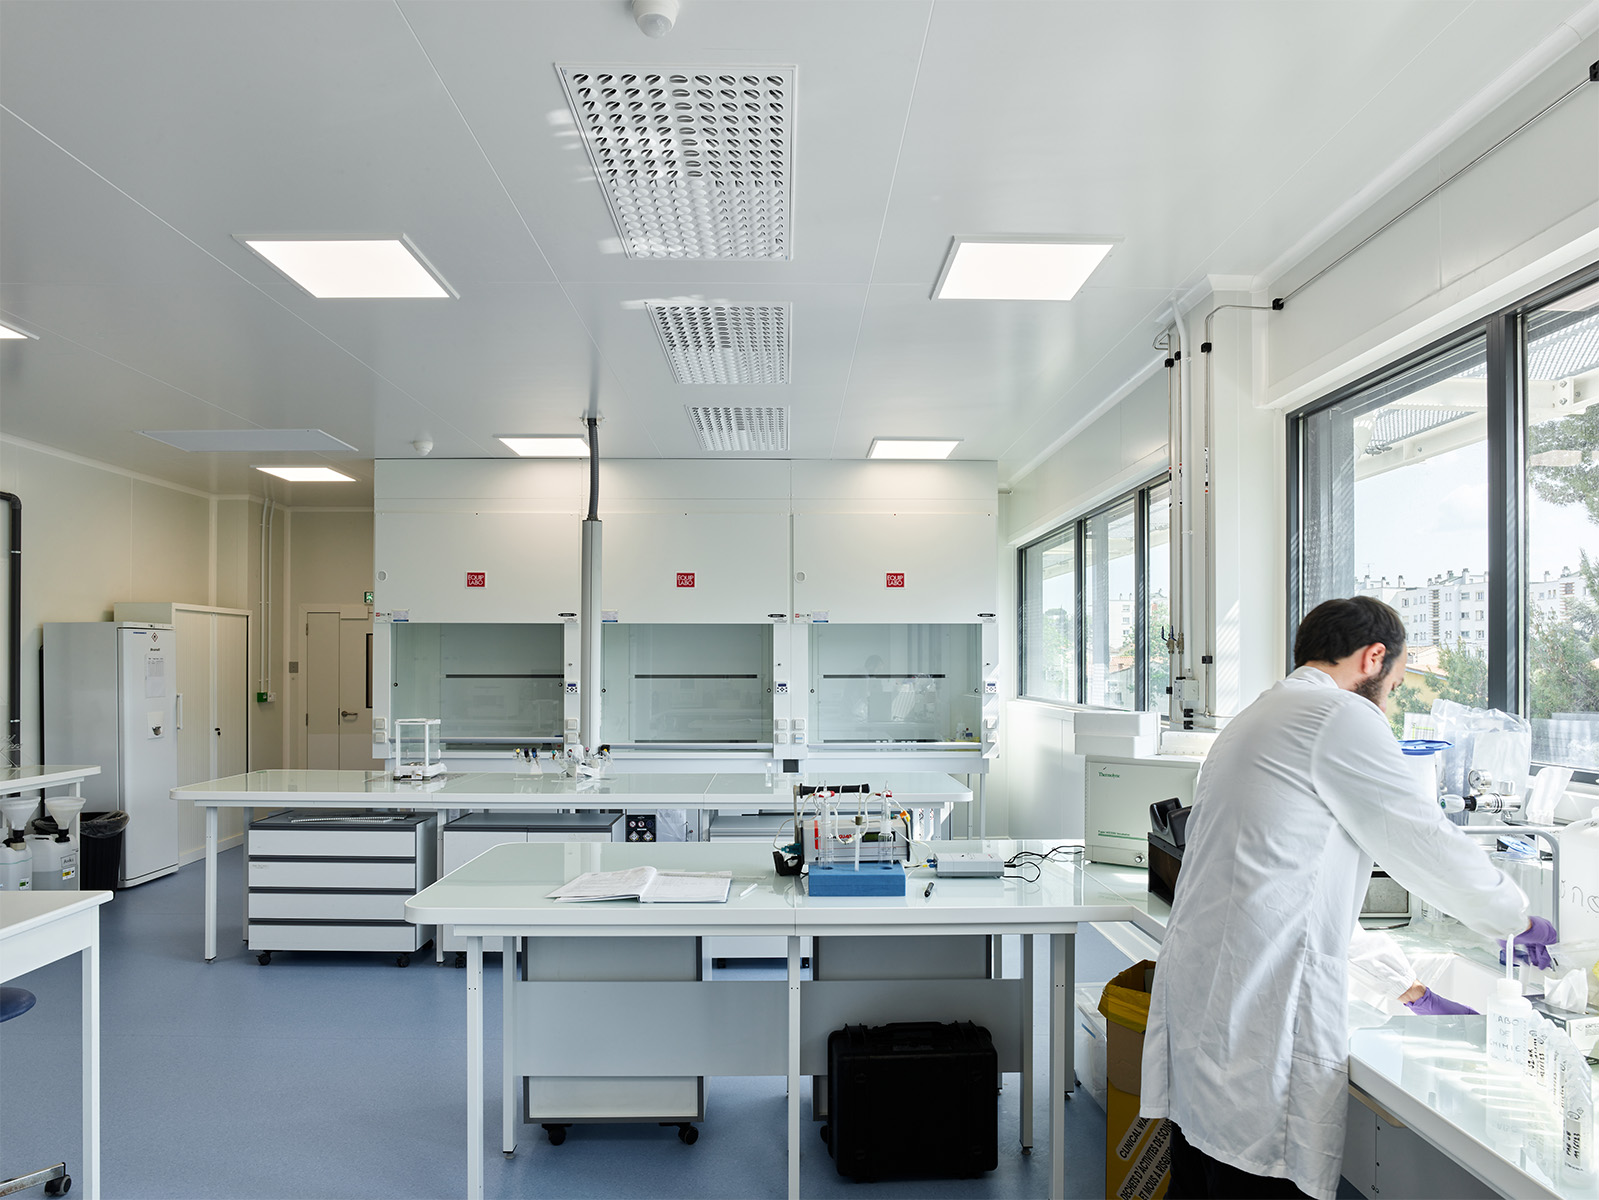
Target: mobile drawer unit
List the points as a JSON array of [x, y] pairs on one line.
[[335, 880]]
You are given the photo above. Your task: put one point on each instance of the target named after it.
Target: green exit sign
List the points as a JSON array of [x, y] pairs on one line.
[[369, 597]]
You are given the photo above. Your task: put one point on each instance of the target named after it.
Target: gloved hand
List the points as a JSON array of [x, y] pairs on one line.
[[1533, 945], [1431, 1004]]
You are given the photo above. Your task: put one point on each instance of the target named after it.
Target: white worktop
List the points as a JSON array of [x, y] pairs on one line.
[[24, 911], [27, 779], [526, 790]]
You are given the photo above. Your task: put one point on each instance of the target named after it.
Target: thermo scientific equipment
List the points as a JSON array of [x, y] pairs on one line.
[[110, 699], [16, 856]]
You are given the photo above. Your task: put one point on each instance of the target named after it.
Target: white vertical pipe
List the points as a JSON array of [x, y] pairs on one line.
[[589, 631]]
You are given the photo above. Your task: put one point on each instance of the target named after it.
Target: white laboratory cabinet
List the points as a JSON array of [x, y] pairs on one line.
[[212, 702], [327, 879], [695, 567], [110, 699]]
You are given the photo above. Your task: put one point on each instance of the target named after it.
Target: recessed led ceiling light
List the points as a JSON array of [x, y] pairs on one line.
[[913, 447], [1018, 268], [307, 474], [548, 447], [354, 268], [7, 331]]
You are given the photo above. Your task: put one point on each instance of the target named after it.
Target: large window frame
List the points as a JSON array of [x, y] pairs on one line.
[[1076, 531], [1507, 408]]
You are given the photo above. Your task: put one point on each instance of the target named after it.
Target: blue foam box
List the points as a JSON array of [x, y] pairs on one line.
[[842, 879]]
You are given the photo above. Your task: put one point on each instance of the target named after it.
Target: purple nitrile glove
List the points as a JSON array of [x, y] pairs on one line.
[[1431, 1004], [1533, 945]]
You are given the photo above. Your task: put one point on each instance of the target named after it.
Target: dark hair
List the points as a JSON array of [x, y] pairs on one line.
[[1335, 629]]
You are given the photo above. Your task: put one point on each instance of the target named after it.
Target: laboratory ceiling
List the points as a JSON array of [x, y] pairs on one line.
[[139, 139]]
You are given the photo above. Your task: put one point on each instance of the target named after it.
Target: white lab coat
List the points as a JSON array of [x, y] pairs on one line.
[[1247, 1041]]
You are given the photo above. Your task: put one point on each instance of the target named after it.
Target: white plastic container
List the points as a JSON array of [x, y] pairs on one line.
[[55, 862], [16, 867], [1422, 758], [1575, 1104], [1509, 1016], [1578, 919]]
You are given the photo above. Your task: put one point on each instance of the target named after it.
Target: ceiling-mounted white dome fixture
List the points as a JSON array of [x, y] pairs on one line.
[[655, 17]]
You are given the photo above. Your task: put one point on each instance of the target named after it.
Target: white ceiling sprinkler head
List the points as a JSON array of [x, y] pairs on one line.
[[655, 17]]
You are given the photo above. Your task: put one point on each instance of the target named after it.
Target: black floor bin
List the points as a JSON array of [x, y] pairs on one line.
[[916, 1099], [100, 850]]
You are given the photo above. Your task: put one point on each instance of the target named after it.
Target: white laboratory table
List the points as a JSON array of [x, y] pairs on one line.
[[16, 780], [37, 928], [526, 792], [741, 1027]]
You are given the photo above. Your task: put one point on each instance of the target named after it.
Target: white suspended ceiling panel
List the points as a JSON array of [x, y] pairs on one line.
[[697, 567], [694, 161]]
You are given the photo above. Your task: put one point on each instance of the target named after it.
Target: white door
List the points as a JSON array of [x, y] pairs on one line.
[[338, 691], [148, 753], [194, 737]]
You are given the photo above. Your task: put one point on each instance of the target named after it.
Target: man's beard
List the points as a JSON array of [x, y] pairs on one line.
[[1374, 689]]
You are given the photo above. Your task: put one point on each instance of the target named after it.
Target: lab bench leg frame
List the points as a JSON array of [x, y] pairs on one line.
[[211, 882], [793, 1068], [508, 1078], [91, 1061], [1027, 1044], [474, 1067], [1061, 970]]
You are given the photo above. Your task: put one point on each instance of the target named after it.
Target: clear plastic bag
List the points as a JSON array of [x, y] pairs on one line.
[[1499, 743]]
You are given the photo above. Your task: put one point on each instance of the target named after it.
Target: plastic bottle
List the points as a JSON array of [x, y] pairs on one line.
[[16, 866], [1576, 1109], [1537, 1060], [1509, 1016]]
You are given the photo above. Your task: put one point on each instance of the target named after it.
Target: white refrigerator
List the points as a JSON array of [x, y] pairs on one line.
[[110, 700]]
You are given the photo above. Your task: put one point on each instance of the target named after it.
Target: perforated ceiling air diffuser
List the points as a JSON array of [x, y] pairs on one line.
[[723, 343], [739, 427], [694, 161]]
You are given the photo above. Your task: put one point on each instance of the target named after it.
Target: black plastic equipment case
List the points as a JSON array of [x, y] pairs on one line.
[[918, 1099]]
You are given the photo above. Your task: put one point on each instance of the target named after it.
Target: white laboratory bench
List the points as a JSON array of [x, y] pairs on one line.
[[525, 791], [16, 780], [37, 928], [759, 1027]]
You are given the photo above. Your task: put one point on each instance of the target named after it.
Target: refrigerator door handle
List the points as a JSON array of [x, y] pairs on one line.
[[179, 696]]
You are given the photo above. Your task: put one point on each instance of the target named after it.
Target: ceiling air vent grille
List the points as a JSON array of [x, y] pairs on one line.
[[695, 162], [739, 426], [724, 343]]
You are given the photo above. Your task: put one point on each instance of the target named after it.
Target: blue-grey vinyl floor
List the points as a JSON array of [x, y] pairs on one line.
[[343, 1075]]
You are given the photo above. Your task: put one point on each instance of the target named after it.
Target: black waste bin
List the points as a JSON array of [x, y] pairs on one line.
[[100, 850]]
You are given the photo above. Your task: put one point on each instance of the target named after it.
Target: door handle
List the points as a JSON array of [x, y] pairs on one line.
[[344, 712], [179, 721]]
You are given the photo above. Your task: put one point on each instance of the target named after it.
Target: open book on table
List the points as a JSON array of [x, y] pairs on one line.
[[649, 885]]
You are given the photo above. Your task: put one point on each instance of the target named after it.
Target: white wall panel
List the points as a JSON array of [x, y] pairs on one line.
[[943, 561], [738, 563], [530, 563]]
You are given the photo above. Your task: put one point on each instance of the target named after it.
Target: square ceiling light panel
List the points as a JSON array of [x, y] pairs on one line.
[[251, 441], [695, 162], [9, 331], [540, 446], [387, 268], [734, 427], [912, 447], [724, 343], [307, 474], [1019, 268]]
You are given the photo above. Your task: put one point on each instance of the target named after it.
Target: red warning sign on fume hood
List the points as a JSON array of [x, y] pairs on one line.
[[477, 579], [896, 579], [685, 579]]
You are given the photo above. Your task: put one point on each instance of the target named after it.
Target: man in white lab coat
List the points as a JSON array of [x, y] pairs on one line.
[[1247, 1041]]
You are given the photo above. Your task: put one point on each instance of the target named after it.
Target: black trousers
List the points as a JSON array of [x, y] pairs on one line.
[[1195, 1175]]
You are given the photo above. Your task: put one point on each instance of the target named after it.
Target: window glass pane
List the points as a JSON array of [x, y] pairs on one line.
[[1562, 372], [1049, 617], [1395, 505], [1109, 600], [1159, 593]]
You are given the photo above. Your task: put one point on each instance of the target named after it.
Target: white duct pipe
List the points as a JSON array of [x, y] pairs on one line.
[[1176, 456]]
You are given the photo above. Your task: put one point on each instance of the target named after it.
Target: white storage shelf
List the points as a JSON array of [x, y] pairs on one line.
[[338, 881]]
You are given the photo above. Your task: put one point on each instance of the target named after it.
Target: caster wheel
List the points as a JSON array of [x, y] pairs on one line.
[[460, 960], [687, 1134], [403, 961], [58, 1187], [556, 1134], [719, 963], [264, 957]]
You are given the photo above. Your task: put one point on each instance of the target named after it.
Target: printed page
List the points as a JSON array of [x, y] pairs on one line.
[[606, 885], [688, 887]]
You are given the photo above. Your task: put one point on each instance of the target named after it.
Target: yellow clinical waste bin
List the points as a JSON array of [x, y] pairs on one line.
[[1137, 1151]]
